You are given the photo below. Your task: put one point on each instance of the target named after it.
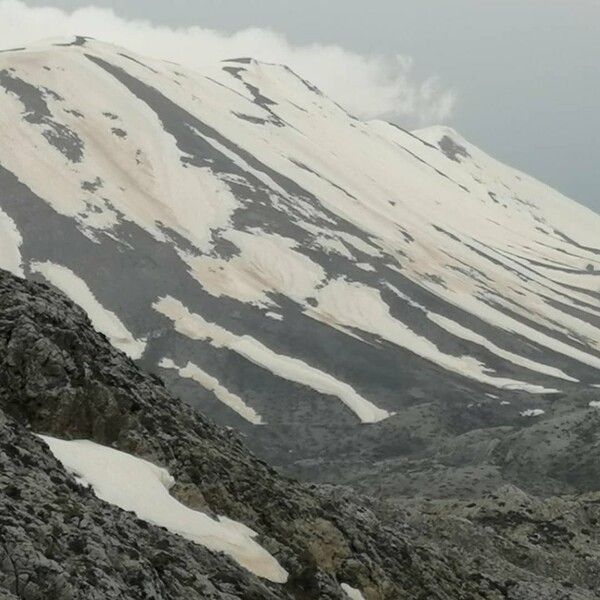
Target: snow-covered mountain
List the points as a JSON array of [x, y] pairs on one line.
[[293, 271]]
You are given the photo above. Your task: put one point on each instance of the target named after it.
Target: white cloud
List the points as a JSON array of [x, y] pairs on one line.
[[368, 86]]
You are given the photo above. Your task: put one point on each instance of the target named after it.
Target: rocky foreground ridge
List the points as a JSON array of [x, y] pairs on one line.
[[59, 541]]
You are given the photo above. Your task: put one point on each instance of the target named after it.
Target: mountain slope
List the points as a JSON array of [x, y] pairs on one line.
[[298, 274], [62, 539], [60, 378]]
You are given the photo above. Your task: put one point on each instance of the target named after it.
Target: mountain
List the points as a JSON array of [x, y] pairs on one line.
[[350, 302], [111, 488], [366, 305]]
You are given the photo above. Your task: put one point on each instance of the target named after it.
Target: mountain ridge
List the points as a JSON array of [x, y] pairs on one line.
[[279, 262]]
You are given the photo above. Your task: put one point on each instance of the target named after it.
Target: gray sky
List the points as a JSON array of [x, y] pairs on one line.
[[527, 72]]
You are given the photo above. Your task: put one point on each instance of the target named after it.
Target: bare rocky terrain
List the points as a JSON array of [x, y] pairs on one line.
[[59, 377]]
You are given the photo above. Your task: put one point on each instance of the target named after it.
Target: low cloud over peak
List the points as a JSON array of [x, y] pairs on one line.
[[369, 86]]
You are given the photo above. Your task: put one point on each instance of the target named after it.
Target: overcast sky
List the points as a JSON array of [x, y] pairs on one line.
[[519, 78]]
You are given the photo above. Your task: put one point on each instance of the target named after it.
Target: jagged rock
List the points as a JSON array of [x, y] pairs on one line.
[[59, 377]]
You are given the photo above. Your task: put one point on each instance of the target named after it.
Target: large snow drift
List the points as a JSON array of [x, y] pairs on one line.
[[139, 486]]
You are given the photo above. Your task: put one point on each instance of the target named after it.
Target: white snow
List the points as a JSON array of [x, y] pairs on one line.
[[102, 319], [141, 174], [466, 334], [233, 401], [462, 332], [141, 487], [195, 327], [594, 404], [333, 246], [275, 316], [351, 304], [360, 245], [493, 316], [533, 412], [366, 267], [10, 243], [267, 263], [352, 593]]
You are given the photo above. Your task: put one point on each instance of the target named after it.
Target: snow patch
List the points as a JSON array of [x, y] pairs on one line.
[[366, 267], [10, 243], [466, 334], [102, 319], [352, 593], [359, 245], [333, 246], [533, 412], [196, 328], [353, 305], [267, 264], [141, 487], [192, 371]]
